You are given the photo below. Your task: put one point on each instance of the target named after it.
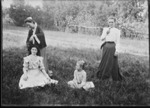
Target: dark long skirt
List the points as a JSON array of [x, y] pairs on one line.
[[108, 66], [44, 55]]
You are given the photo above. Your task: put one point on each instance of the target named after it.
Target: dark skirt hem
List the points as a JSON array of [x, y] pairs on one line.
[[108, 66]]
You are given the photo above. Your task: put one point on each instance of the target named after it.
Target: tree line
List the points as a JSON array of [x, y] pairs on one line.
[[60, 15]]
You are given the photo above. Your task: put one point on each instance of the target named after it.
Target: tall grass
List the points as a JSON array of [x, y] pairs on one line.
[[135, 91]]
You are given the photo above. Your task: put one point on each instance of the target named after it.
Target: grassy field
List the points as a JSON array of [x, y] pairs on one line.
[[63, 52], [69, 40]]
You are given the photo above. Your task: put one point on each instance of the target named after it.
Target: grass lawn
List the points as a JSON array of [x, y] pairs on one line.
[[64, 49], [69, 40]]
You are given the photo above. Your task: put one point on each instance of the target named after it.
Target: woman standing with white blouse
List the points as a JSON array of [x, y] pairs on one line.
[[108, 66]]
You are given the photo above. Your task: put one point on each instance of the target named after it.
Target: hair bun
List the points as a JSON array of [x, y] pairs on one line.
[[29, 19], [81, 62]]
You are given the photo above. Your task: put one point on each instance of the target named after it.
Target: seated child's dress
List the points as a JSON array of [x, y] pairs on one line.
[[80, 79], [35, 76]]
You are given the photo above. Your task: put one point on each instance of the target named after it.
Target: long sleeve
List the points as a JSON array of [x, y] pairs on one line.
[[84, 79], [103, 36], [75, 76], [25, 65], [41, 64], [29, 35], [39, 34], [118, 41], [42, 68], [34, 35]]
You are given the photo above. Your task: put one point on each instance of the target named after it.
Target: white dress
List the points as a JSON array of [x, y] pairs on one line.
[[35, 77], [80, 79]]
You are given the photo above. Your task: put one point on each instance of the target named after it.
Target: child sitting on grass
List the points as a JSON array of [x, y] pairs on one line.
[[79, 80]]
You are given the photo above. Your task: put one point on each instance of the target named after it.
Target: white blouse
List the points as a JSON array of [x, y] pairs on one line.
[[29, 64], [113, 36], [80, 77]]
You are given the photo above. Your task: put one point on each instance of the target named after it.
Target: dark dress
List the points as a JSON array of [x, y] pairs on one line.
[[108, 66], [40, 35]]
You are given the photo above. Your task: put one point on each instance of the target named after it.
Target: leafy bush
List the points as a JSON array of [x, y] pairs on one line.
[[18, 14], [57, 15]]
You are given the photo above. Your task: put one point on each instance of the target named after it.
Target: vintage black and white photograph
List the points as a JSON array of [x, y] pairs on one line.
[[75, 53]]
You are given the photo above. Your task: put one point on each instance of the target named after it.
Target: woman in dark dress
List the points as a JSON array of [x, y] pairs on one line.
[[108, 67]]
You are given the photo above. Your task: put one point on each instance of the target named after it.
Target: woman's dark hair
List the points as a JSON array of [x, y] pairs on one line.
[[112, 17], [30, 20], [82, 63], [38, 50], [83, 66]]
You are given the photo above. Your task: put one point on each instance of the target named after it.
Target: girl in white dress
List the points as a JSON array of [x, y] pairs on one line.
[[34, 73], [79, 80]]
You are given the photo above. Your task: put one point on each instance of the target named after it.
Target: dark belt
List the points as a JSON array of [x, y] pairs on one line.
[[106, 42], [110, 42]]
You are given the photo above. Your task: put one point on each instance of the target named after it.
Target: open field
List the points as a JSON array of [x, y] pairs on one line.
[[68, 40], [64, 49]]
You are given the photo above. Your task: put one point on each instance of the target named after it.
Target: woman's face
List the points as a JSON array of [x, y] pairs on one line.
[[30, 25], [33, 50], [111, 23], [78, 67]]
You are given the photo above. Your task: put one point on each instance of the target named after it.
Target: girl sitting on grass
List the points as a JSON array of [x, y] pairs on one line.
[[79, 80], [34, 73]]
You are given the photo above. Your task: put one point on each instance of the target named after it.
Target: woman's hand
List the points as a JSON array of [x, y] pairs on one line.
[[49, 79], [25, 77], [103, 39], [45, 74], [116, 53], [31, 38], [108, 32]]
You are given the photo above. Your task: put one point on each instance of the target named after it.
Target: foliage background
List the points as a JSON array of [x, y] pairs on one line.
[[131, 15]]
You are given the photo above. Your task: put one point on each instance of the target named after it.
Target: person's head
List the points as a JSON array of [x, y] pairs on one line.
[[34, 50], [80, 65], [30, 22], [111, 21]]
